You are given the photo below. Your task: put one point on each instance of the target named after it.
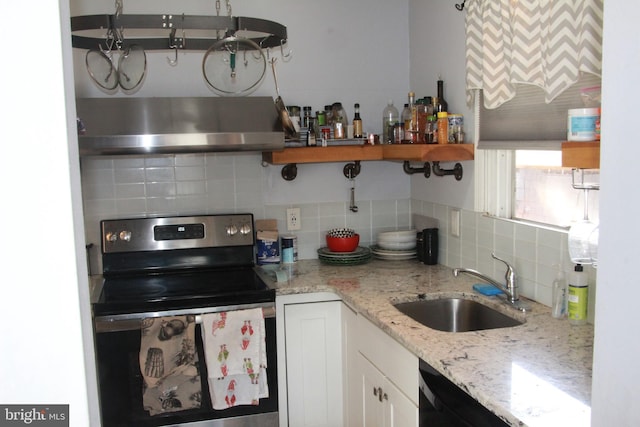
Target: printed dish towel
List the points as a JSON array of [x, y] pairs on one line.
[[169, 365], [236, 357]]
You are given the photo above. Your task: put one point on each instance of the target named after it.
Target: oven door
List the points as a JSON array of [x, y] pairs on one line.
[[121, 384]]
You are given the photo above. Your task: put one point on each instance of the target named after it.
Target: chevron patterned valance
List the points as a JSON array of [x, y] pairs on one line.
[[546, 43]]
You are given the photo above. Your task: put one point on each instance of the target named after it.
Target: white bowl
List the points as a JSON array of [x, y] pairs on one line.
[[397, 236], [397, 246]]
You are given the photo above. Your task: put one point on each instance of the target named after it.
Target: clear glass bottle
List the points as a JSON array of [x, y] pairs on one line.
[[312, 141], [422, 110], [328, 111], [411, 121], [306, 116], [339, 121], [357, 122], [431, 134], [389, 118], [405, 120]]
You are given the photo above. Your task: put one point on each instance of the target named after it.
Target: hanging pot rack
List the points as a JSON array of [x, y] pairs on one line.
[[157, 31]]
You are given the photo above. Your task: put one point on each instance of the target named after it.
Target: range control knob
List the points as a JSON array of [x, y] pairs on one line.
[[111, 237], [245, 229], [232, 230], [125, 235]]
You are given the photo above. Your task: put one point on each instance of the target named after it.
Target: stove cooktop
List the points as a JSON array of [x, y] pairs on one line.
[[179, 290]]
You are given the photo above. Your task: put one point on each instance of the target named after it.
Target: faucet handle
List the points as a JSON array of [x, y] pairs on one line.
[[510, 275]]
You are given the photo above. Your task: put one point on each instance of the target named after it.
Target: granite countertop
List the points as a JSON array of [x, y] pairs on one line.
[[535, 374]]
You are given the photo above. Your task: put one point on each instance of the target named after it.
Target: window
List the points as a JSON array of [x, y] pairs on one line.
[[519, 173], [544, 192]]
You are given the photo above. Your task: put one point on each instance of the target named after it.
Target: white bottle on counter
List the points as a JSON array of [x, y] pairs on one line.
[[578, 296], [559, 296]]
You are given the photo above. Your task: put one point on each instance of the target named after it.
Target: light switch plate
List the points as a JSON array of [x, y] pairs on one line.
[[455, 222]]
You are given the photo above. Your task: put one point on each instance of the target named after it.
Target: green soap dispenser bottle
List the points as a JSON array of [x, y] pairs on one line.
[[578, 296]]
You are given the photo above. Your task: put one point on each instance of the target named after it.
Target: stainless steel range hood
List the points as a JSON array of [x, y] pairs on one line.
[[178, 125]]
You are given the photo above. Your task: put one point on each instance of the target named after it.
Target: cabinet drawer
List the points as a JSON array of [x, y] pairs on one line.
[[397, 363]]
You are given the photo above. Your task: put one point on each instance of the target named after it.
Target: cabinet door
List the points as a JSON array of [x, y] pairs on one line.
[[370, 410], [382, 403], [314, 364], [350, 374], [402, 411]]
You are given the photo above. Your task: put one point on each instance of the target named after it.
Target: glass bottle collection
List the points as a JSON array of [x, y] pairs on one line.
[[423, 121]]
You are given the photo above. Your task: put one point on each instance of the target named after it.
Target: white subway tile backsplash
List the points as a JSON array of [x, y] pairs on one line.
[[99, 191], [185, 188], [135, 186], [129, 191], [125, 162], [190, 160], [130, 207], [98, 177], [190, 173], [161, 189], [160, 174], [130, 175], [159, 161]]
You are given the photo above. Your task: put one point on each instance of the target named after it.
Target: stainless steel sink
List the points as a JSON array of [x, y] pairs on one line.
[[456, 315]]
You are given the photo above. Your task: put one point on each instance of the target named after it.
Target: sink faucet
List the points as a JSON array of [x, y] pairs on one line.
[[510, 288]]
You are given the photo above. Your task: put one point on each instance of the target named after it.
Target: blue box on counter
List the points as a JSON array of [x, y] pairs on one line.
[[267, 242], [268, 252]]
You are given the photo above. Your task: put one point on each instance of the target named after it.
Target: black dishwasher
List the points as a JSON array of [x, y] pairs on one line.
[[443, 404]]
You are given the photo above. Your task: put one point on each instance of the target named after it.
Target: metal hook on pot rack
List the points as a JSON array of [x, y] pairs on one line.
[[172, 45], [460, 6], [287, 57], [261, 47]]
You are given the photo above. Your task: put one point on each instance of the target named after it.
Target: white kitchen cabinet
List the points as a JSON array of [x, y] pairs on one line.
[[310, 360], [383, 404], [386, 390]]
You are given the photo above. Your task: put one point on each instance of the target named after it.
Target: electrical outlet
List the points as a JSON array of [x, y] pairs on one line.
[[455, 222], [293, 219]]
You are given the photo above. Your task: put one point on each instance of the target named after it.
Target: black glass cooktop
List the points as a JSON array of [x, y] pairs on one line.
[[178, 290]]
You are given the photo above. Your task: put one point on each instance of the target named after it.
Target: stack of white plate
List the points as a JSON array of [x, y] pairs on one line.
[[395, 245]]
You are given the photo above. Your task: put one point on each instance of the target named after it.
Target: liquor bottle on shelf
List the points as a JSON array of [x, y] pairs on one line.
[[410, 119], [441, 104], [389, 119], [357, 122], [405, 119]]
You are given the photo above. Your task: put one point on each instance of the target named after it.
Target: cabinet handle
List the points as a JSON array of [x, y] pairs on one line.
[[385, 397], [380, 394], [375, 391]]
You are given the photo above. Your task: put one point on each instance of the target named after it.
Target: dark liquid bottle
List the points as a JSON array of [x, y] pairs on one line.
[[357, 122], [441, 105]]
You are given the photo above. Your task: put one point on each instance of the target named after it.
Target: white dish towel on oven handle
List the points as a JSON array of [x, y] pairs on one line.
[[236, 357]]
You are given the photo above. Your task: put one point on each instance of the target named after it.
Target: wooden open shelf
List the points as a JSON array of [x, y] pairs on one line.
[[584, 155], [338, 153], [348, 153], [428, 152]]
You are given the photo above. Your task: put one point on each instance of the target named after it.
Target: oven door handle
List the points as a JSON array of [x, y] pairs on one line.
[[132, 321]]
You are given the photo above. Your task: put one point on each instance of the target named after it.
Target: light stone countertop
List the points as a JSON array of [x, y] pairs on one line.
[[535, 374]]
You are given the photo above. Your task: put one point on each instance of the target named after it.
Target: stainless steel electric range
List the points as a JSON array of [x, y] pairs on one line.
[[170, 266]]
